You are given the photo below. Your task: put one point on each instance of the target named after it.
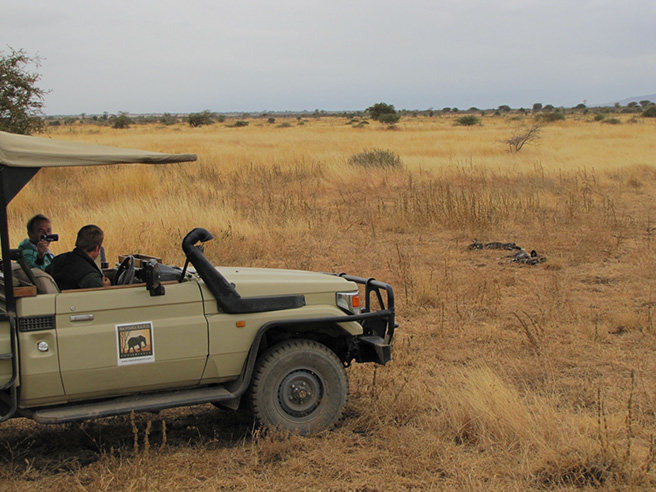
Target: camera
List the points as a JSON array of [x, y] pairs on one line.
[[50, 237]]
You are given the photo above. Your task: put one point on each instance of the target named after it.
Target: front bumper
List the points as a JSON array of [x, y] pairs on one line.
[[374, 345]]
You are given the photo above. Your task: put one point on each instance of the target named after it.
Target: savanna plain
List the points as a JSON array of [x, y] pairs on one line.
[[505, 376]]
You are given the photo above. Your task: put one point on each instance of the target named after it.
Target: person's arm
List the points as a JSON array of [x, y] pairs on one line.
[[42, 259], [36, 256], [91, 280], [31, 257]]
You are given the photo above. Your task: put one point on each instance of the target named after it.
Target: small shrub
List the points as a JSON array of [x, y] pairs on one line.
[[650, 112], [200, 119], [238, 124], [517, 141], [377, 111], [122, 121], [389, 119], [271, 121], [168, 119], [552, 117], [377, 158], [613, 121], [599, 117], [286, 124], [468, 120], [385, 113]]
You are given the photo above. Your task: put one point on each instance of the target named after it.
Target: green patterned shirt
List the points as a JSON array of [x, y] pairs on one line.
[[31, 255]]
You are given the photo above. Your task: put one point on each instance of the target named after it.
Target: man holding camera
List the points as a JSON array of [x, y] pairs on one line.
[[35, 246]]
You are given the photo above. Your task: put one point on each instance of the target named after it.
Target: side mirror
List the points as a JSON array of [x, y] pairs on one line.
[[153, 278]]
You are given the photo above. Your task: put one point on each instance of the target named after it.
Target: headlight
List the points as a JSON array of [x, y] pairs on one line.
[[349, 302]]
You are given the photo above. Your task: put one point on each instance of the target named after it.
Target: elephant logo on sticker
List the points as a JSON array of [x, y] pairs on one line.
[[135, 343]]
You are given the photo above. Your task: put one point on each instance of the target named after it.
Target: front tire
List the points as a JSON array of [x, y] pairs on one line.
[[300, 386]]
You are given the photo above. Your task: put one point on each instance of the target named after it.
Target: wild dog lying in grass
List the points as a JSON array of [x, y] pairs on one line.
[[532, 258], [494, 245], [520, 255]]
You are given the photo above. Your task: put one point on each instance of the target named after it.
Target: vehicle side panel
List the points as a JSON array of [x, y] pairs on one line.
[[40, 381], [230, 343], [5, 348], [172, 354]]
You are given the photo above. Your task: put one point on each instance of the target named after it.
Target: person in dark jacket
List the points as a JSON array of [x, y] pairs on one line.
[[77, 269]]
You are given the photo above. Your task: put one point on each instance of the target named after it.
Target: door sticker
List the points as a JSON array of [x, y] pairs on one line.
[[135, 343]]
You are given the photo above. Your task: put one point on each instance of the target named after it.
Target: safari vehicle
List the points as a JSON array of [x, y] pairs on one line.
[[167, 336]]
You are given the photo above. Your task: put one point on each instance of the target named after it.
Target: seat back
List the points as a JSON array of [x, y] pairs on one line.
[[45, 284]]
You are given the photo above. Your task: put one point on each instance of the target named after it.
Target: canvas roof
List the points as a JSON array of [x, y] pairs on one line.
[[35, 152]]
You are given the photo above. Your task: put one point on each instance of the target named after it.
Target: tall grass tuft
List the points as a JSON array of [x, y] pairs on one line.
[[376, 158]]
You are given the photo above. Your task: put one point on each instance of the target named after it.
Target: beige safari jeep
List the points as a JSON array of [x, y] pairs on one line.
[[166, 336]]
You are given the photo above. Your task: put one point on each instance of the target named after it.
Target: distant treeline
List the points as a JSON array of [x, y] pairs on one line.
[[548, 112]]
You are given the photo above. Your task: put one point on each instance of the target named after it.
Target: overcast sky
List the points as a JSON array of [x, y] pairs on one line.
[[150, 56]]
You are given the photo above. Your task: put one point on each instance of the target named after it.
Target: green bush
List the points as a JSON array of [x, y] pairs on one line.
[[613, 121], [238, 124], [200, 119], [380, 109], [376, 158], [599, 117], [468, 120], [551, 117], [122, 121], [168, 119], [389, 118], [650, 112]]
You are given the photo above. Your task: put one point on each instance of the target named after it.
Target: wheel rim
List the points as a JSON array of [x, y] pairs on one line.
[[300, 393]]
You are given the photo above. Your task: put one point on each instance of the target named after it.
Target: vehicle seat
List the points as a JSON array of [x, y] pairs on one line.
[[45, 284]]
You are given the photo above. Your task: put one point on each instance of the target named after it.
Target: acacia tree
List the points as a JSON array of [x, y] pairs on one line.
[[21, 101], [122, 121], [383, 112], [517, 141], [199, 119]]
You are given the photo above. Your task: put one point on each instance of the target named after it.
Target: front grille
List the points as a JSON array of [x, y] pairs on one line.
[[36, 323]]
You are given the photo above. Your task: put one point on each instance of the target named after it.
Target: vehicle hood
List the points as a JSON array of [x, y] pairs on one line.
[[250, 282]]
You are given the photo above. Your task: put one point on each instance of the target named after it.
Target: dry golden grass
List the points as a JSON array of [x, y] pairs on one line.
[[505, 376]]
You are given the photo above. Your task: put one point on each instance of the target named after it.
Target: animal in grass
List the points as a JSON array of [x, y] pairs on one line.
[[138, 342], [494, 245], [532, 258]]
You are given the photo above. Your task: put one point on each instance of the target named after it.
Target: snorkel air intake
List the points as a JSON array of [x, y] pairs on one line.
[[227, 297], [217, 283]]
